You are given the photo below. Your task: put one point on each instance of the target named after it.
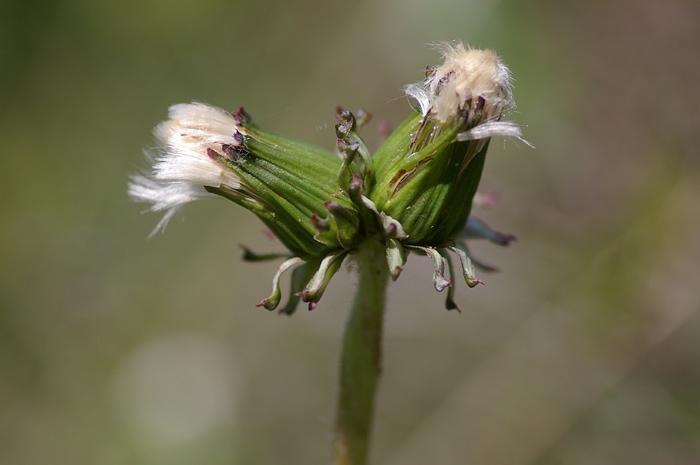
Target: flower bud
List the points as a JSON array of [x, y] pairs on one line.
[[428, 170], [287, 183]]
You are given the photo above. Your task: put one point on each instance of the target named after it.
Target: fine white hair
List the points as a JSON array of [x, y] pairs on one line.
[[181, 166], [466, 73]]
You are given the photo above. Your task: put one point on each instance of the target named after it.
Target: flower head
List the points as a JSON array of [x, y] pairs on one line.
[[292, 186], [429, 168], [205, 150]]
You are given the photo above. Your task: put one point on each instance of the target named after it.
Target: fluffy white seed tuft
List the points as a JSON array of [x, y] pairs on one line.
[[465, 74], [181, 168]]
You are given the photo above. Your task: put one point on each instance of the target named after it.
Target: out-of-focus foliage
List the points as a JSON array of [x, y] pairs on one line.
[[119, 350]]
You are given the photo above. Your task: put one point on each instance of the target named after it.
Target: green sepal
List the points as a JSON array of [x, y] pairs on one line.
[[396, 257], [478, 264], [285, 182], [396, 147], [426, 178], [460, 203], [300, 276], [340, 227], [317, 286], [347, 224], [313, 177], [273, 301], [434, 205], [439, 280], [467, 265], [289, 199], [290, 232], [373, 218], [250, 256], [350, 145], [288, 145], [450, 303], [477, 229]]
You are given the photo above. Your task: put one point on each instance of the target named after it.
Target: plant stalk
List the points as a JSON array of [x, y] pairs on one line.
[[360, 362]]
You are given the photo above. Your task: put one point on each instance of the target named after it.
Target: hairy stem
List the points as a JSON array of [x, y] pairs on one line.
[[360, 363]]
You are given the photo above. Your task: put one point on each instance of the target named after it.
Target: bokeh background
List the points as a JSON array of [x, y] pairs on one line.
[[115, 349]]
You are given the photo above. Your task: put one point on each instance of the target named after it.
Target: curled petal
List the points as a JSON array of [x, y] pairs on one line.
[[317, 286], [391, 228], [477, 229], [396, 257], [300, 276], [273, 301], [250, 256], [494, 129], [439, 280], [450, 299], [467, 266]]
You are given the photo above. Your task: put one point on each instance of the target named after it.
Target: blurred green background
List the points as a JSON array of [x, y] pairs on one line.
[[115, 349]]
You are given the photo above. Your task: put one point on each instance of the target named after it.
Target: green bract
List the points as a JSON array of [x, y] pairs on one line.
[[294, 183], [428, 185]]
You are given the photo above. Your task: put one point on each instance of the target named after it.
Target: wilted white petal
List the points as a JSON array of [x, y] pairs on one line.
[[439, 262], [491, 129], [418, 92]]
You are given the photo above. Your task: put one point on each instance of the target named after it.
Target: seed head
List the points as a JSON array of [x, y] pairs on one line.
[[181, 165], [466, 74]]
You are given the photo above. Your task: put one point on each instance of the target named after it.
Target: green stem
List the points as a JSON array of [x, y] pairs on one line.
[[360, 363]]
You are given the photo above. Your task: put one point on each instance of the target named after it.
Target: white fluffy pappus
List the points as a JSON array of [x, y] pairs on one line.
[[181, 166], [466, 73]]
